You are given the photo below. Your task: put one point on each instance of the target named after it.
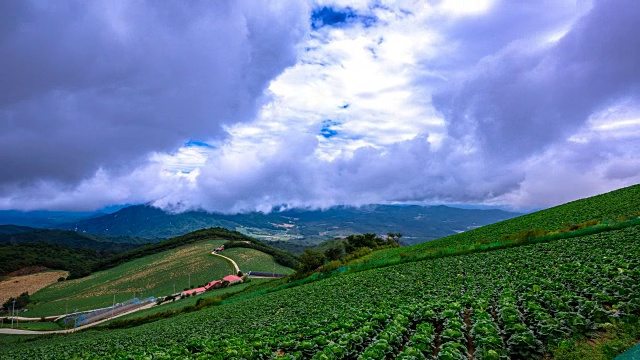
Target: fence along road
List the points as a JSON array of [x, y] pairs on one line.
[[34, 332]]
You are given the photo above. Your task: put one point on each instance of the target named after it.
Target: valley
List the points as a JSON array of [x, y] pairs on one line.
[[298, 226]]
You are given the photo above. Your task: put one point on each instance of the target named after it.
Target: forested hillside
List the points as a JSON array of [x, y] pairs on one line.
[[298, 226]]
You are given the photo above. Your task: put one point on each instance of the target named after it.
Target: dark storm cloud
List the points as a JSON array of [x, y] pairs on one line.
[[506, 21], [92, 85], [520, 101], [509, 111], [104, 83]]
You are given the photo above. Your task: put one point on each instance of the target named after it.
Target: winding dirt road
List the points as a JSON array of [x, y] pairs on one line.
[[232, 262]]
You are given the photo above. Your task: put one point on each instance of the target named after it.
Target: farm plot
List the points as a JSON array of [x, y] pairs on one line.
[[153, 275], [14, 286], [254, 260], [504, 304]]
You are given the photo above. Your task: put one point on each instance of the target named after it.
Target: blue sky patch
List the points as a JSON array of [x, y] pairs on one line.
[[327, 132], [328, 16], [194, 143]]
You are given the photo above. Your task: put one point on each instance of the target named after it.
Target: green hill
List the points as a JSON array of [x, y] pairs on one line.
[[83, 254], [53, 256], [522, 302], [152, 275], [611, 206], [154, 270], [71, 239], [14, 229], [43, 219], [22, 247]]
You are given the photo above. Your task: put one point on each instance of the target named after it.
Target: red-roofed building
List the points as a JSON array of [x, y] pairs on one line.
[[212, 284], [196, 291], [232, 279]]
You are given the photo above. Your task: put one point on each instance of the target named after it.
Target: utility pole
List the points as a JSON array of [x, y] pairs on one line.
[[189, 280], [13, 311], [174, 288], [114, 305]]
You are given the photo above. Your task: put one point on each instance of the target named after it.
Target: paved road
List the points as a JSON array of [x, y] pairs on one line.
[[233, 262], [33, 332]]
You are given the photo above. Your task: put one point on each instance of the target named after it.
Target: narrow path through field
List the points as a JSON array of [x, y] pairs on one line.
[[34, 332], [232, 262]]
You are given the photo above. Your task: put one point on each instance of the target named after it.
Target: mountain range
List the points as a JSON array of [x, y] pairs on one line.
[[417, 223]]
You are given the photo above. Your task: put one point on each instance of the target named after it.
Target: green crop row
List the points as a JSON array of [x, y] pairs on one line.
[[510, 303]]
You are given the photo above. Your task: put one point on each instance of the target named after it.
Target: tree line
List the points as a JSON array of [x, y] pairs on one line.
[[344, 250]]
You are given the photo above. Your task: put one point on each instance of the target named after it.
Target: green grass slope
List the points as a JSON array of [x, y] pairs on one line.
[[83, 254], [254, 260], [152, 275], [153, 271], [605, 207]]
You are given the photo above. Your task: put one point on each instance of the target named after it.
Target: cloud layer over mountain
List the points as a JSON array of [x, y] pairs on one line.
[[243, 106]]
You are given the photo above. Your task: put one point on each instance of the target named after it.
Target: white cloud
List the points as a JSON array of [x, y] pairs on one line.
[[529, 117]]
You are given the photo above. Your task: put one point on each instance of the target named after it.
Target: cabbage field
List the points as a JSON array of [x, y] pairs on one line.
[[504, 304], [608, 207]]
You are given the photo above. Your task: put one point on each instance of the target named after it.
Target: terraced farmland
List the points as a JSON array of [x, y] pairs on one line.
[[510, 303]]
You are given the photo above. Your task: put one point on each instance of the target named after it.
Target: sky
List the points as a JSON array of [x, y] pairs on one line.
[[237, 106]]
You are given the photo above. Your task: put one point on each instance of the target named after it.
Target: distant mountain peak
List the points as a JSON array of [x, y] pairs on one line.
[[421, 223]]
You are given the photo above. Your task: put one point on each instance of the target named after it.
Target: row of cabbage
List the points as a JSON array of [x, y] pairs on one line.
[[504, 304]]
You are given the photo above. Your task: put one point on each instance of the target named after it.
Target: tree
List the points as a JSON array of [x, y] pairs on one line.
[[363, 240], [393, 239], [311, 260], [21, 301], [334, 253]]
